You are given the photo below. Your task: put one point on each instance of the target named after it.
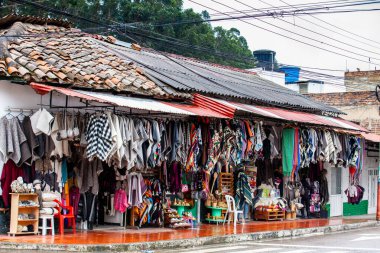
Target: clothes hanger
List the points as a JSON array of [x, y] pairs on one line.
[[9, 114]]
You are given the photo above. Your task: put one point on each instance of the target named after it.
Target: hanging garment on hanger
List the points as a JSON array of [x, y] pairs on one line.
[[156, 147], [136, 188], [13, 143], [120, 201], [140, 138], [42, 122], [99, 137], [10, 173], [214, 150], [88, 175], [31, 139], [287, 150]]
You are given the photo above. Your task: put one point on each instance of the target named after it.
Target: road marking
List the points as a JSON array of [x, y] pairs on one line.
[[338, 251], [312, 247], [366, 238], [299, 251], [211, 250], [259, 250]]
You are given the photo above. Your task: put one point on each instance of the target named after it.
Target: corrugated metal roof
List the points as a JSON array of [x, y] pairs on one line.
[[137, 103], [151, 105], [278, 113], [371, 137], [185, 74]]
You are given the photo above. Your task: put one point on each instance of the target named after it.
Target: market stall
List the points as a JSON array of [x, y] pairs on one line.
[[171, 167]]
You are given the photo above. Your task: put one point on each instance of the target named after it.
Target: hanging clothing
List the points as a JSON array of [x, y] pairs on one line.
[[10, 173], [87, 176], [287, 150], [13, 143], [120, 201], [136, 189], [243, 191], [98, 137]]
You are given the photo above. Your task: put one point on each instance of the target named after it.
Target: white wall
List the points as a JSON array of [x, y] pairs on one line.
[[276, 77], [293, 86], [13, 95], [315, 87], [23, 96]]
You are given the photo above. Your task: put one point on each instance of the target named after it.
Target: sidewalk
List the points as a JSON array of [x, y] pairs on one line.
[[119, 239]]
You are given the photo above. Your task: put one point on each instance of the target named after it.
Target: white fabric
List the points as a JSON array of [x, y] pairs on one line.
[[50, 196], [48, 211], [41, 122], [49, 204]]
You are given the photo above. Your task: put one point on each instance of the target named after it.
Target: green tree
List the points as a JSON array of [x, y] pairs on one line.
[[152, 23]]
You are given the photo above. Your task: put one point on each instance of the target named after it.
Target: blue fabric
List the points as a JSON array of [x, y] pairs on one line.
[[64, 171]]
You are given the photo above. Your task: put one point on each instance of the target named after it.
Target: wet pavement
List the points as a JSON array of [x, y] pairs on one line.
[[362, 240], [120, 235], [117, 239]]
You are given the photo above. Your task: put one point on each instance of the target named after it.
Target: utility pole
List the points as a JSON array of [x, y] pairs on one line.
[[378, 170]]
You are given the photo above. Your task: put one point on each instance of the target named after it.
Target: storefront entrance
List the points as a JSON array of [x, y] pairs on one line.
[[336, 198], [372, 190]]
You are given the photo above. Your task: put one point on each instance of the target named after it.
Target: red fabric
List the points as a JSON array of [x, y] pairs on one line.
[[10, 172], [120, 201]]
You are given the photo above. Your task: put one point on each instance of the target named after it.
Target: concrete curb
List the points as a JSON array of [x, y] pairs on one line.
[[188, 243]]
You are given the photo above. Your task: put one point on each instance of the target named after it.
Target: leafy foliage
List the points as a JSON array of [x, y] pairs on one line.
[[152, 23]]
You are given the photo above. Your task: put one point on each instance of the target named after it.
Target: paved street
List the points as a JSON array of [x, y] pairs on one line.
[[365, 240]]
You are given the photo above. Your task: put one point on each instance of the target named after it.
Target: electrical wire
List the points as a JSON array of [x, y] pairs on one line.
[[298, 34], [312, 31], [337, 28], [288, 37], [306, 5], [134, 40], [269, 14]]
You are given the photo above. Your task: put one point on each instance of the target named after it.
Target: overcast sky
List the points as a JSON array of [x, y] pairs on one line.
[[365, 24]]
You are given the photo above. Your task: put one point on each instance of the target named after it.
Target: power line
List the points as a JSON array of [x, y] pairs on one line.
[[269, 14], [310, 30], [298, 34], [307, 5], [286, 36], [334, 31], [134, 40]]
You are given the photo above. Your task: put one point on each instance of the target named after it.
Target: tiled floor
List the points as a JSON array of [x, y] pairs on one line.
[[117, 235]]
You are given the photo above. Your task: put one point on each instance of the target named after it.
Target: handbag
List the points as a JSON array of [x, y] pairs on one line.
[[76, 127], [185, 188], [70, 126], [63, 131]]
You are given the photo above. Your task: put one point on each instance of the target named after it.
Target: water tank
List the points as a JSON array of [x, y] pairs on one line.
[[265, 58], [292, 73]]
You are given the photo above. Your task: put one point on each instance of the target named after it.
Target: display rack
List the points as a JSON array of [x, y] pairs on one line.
[[269, 215], [226, 183], [16, 210]]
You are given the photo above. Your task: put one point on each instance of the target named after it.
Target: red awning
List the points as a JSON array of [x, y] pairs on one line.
[[222, 106], [371, 137], [131, 102]]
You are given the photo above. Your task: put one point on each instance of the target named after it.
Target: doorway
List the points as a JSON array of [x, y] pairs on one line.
[[336, 198]]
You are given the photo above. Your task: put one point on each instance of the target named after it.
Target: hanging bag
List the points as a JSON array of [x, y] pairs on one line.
[[63, 131], [70, 126], [76, 126]]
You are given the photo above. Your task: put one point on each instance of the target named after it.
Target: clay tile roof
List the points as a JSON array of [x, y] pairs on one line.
[[33, 53]]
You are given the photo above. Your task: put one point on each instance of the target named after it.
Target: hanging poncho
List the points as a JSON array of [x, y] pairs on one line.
[[287, 150]]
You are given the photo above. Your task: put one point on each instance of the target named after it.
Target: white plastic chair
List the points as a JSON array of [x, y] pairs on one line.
[[231, 209], [45, 226]]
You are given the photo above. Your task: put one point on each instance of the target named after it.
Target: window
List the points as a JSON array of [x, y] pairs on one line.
[[336, 180]]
